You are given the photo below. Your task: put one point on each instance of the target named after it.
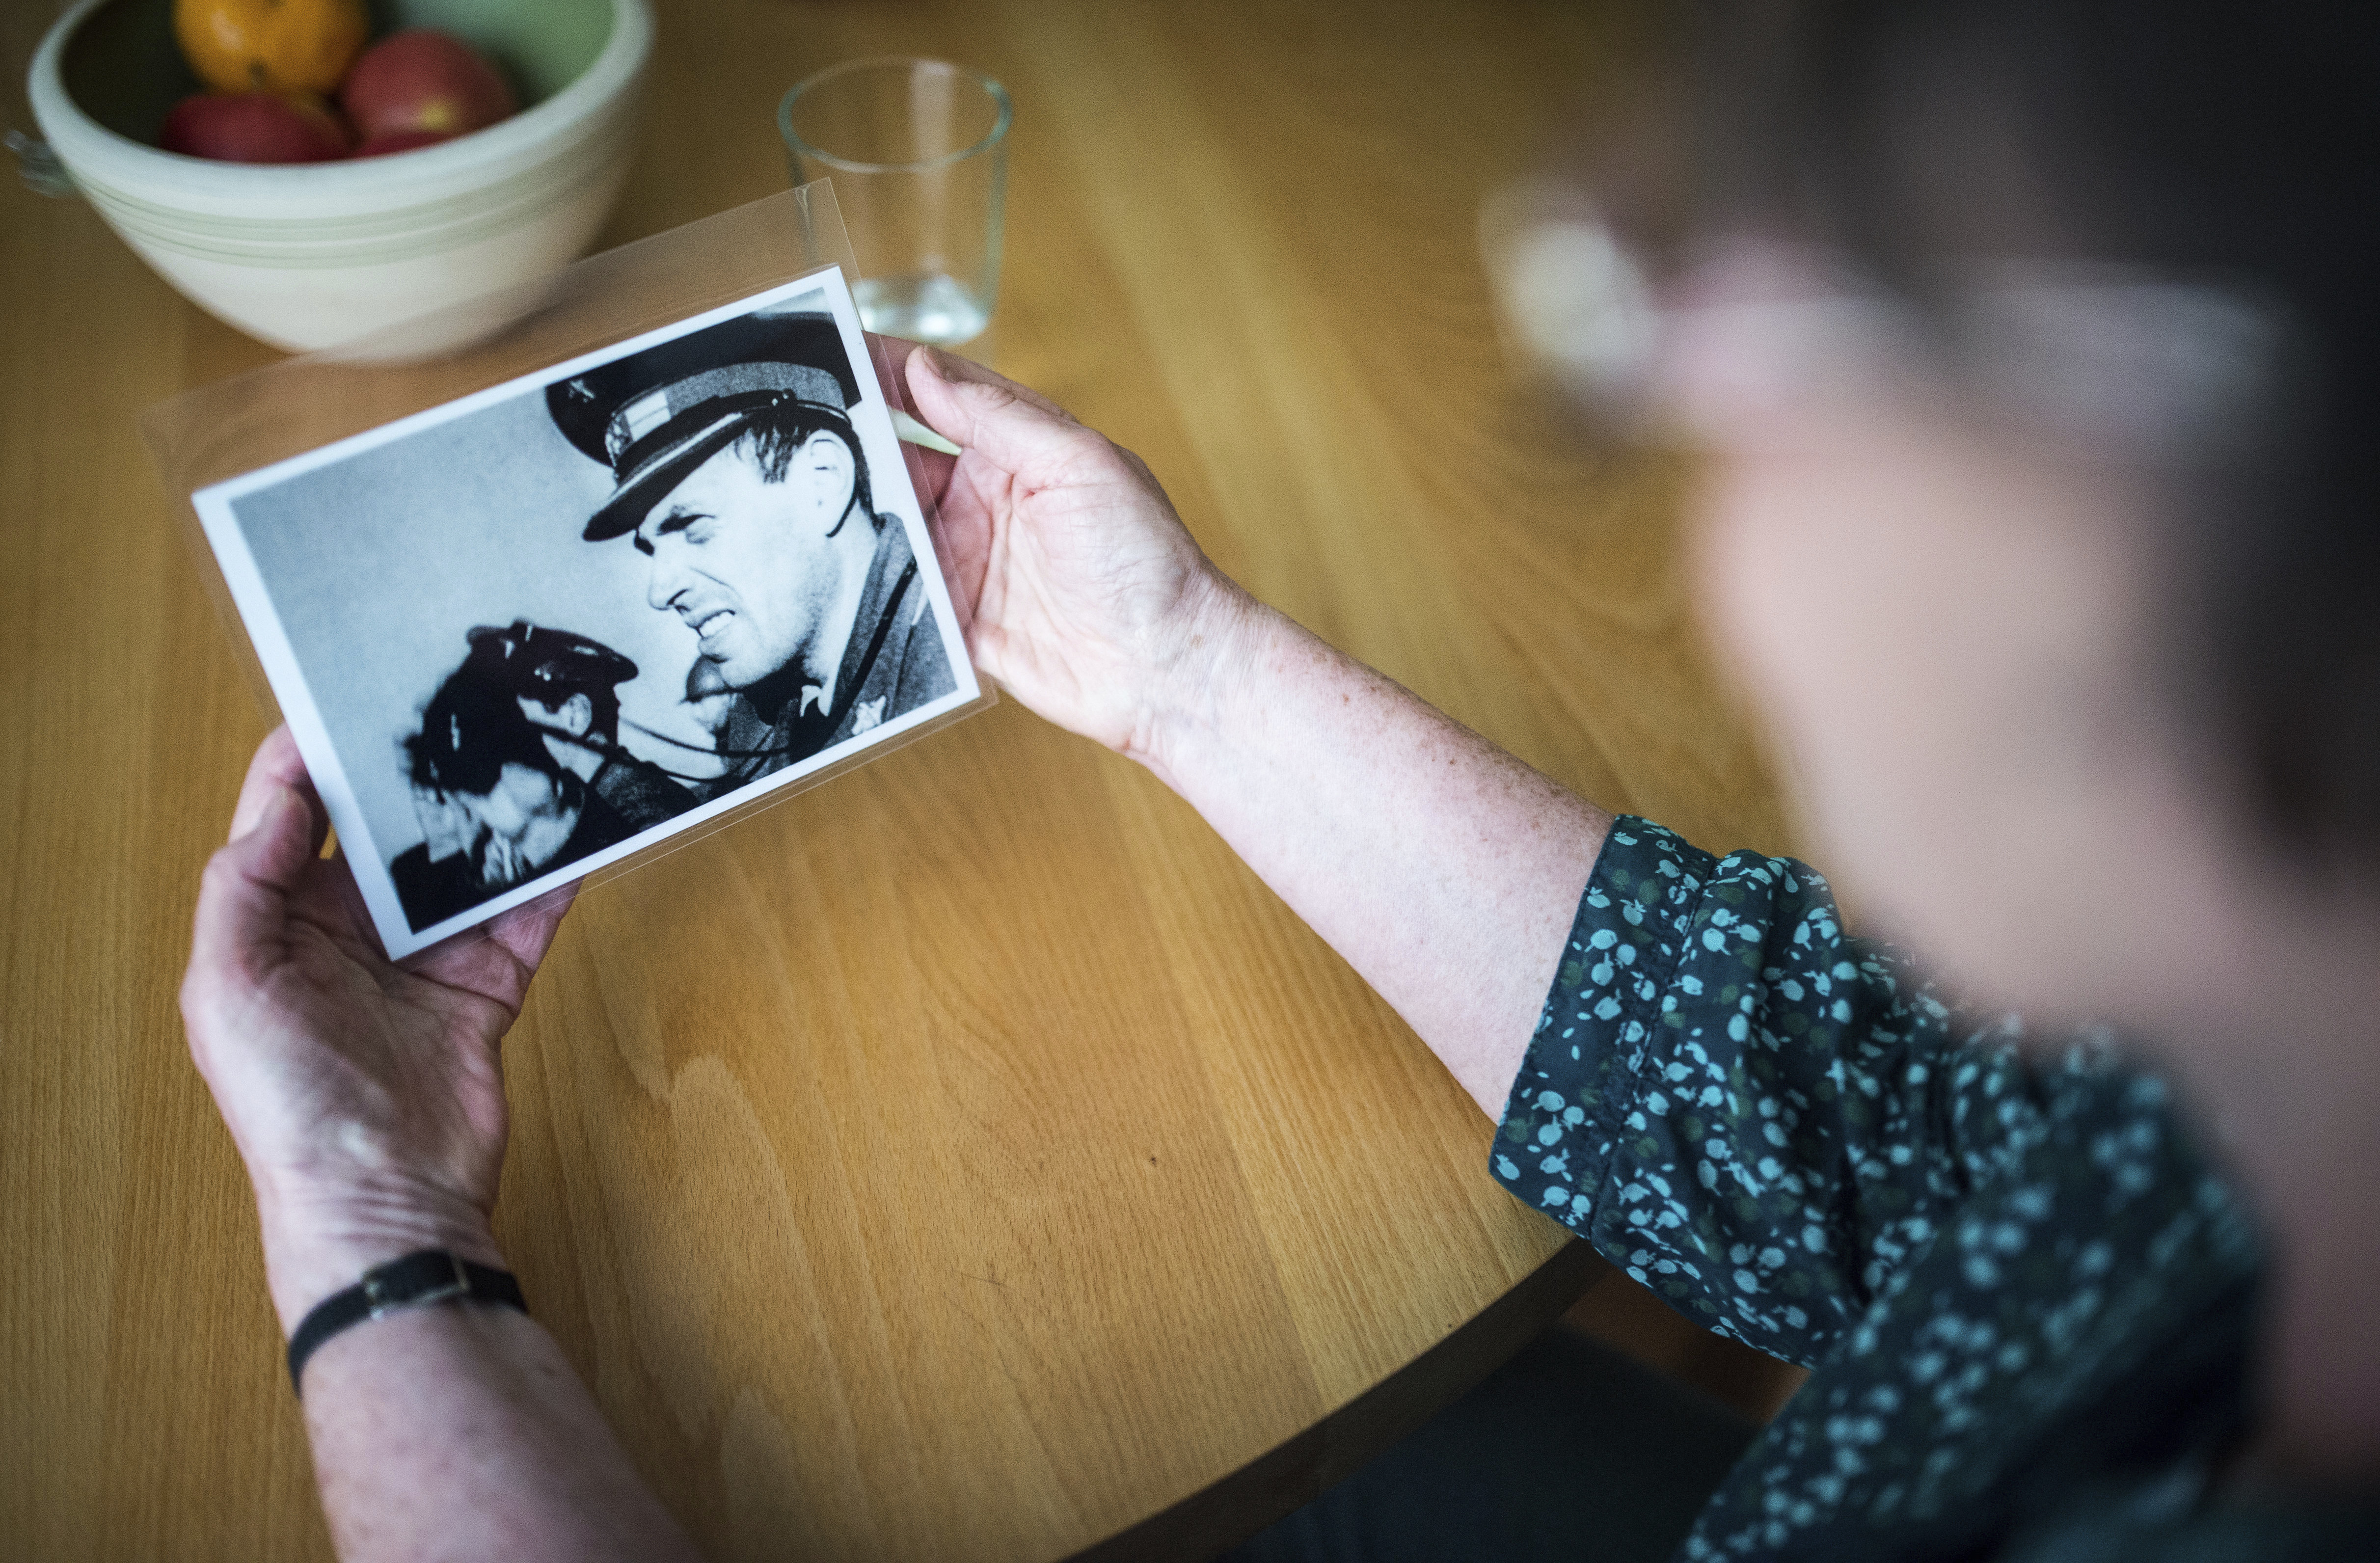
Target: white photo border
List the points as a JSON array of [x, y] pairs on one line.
[[871, 421]]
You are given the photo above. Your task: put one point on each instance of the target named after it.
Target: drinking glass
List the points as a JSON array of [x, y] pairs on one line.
[[918, 152]]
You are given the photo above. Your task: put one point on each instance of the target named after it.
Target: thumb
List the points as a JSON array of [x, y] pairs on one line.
[[244, 895], [1011, 426]]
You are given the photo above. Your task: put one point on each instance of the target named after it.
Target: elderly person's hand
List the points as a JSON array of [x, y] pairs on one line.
[[367, 1102], [1081, 590], [1424, 856]]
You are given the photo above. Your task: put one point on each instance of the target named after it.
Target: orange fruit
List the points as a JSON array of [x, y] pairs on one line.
[[271, 46]]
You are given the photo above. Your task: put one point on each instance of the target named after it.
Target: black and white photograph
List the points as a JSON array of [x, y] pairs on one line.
[[530, 632]]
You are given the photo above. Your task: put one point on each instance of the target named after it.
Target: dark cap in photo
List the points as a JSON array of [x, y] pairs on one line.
[[654, 416], [547, 666]]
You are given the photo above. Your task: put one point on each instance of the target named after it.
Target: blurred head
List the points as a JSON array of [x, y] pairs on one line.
[[484, 776], [2033, 342], [708, 695], [566, 685]]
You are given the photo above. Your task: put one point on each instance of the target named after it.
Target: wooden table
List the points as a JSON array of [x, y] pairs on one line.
[[969, 1159]]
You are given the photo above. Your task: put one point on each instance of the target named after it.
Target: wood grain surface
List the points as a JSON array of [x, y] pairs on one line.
[[969, 1158]]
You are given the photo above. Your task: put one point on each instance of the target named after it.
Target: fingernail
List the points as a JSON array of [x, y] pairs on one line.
[[245, 821], [933, 362]]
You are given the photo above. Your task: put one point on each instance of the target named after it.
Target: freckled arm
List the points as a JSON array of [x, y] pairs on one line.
[[1442, 868]]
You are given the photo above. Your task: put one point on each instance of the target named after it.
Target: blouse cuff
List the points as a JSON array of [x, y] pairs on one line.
[[1583, 1077]]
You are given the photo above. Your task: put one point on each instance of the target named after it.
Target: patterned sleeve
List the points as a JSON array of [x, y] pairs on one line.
[[1744, 1108]]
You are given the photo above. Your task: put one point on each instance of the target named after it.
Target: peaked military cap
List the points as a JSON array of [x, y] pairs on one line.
[[473, 726], [549, 665], [654, 416]]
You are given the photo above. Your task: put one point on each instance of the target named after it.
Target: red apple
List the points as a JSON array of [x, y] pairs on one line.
[[423, 80], [400, 141], [254, 127]]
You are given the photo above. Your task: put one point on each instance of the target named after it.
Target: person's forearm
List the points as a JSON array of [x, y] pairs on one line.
[[461, 1431], [1445, 870]]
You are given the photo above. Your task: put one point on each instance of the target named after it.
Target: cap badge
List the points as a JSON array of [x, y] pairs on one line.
[[637, 419]]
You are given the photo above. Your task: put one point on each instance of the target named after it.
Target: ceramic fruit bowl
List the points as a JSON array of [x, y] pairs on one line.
[[312, 255]]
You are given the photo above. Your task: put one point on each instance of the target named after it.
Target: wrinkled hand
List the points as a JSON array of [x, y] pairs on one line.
[[1080, 589], [367, 1102]]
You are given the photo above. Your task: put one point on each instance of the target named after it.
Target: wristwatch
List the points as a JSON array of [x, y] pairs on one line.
[[432, 1274]]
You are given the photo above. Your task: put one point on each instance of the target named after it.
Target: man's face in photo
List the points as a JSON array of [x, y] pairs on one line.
[[508, 831], [524, 824], [741, 560], [448, 825]]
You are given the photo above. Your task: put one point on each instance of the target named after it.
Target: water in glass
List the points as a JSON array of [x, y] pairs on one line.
[[934, 309]]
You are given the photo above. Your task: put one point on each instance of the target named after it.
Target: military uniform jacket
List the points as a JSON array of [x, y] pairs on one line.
[[893, 663], [642, 792]]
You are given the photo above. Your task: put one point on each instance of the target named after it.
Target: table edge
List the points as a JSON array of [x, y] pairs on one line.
[[1286, 1477]]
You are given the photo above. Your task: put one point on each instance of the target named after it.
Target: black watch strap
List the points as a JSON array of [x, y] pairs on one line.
[[431, 1275]]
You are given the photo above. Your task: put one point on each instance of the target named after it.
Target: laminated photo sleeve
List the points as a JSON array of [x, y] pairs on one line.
[[559, 580]]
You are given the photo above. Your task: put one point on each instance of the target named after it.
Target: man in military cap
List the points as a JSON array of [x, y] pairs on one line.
[[517, 769], [568, 686], [739, 478]]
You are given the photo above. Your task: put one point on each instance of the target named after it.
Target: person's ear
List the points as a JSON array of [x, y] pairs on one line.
[[578, 714], [828, 455]]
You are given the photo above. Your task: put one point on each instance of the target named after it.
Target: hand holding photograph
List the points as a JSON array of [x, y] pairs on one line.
[[532, 631]]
